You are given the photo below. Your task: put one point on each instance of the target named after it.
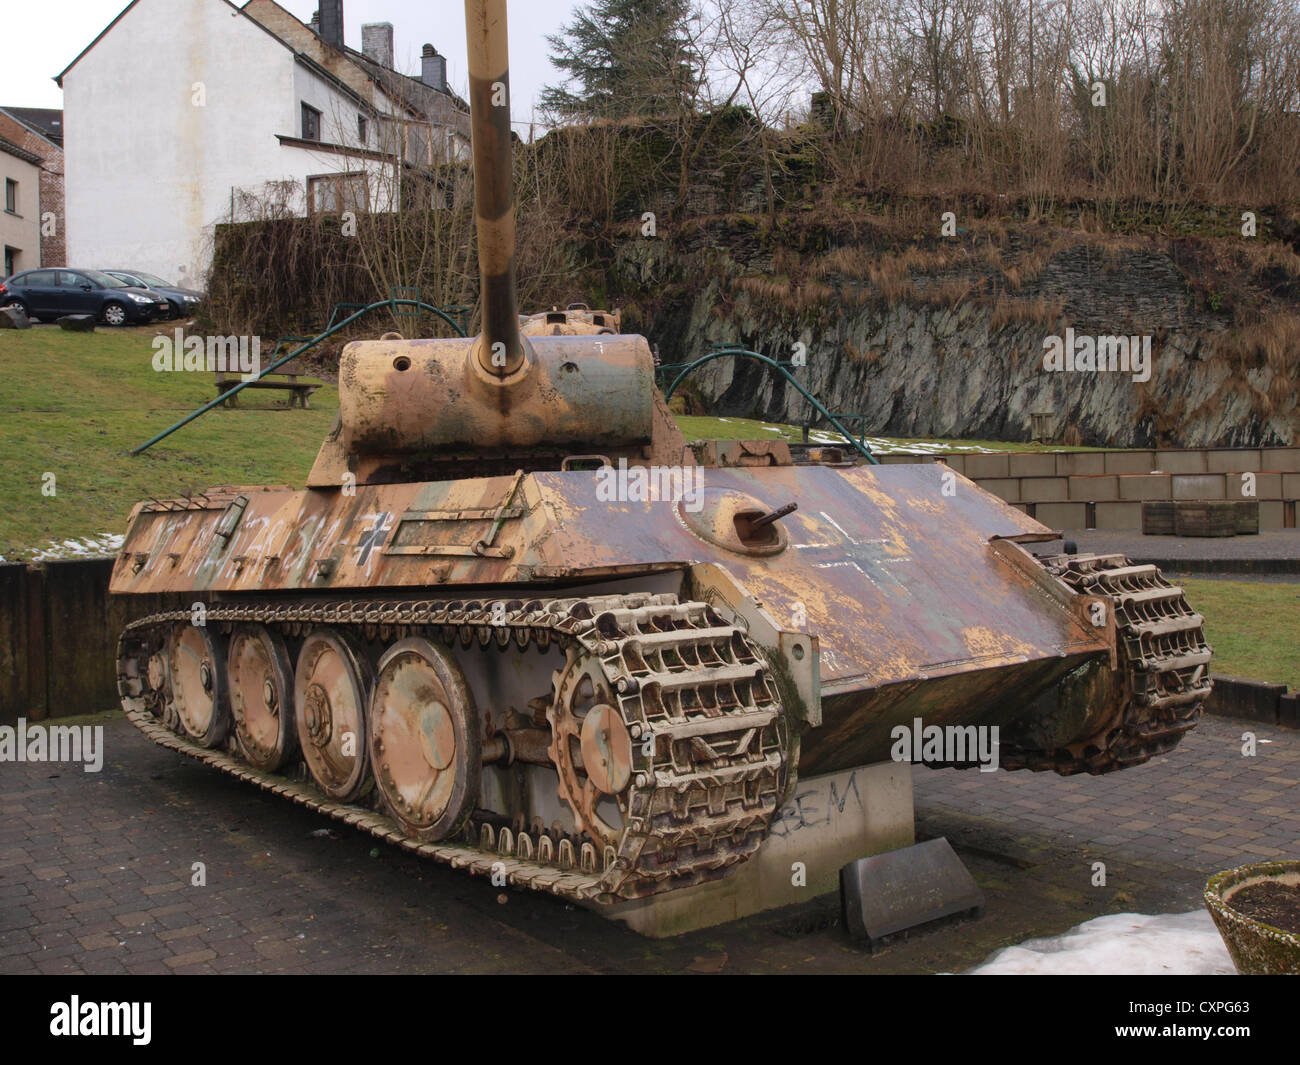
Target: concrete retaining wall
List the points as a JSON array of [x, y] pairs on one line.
[[58, 637], [1091, 463], [1104, 489], [1254, 700]]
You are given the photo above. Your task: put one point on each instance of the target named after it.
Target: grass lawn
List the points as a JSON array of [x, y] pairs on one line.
[[1253, 626], [73, 404]]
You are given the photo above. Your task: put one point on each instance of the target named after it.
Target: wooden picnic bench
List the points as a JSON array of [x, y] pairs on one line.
[[290, 379]]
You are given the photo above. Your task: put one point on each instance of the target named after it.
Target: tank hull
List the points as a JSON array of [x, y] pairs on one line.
[[912, 581]]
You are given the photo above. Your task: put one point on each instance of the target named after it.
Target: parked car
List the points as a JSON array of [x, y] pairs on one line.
[[182, 300], [46, 294]]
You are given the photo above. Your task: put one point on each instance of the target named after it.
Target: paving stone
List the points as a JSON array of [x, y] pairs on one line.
[[194, 957], [1029, 838], [98, 941]]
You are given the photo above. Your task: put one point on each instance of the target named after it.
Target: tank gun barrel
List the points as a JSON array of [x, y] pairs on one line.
[[499, 350]]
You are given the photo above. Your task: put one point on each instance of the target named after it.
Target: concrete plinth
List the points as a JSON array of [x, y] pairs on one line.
[[831, 821]]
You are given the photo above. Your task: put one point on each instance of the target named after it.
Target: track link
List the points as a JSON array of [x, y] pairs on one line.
[[711, 765], [1163, 657]]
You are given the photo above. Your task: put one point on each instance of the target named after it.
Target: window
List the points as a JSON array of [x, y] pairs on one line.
[[335, 193], [417, 144], [11, 261], [11, 195], [362, 128], [310, 123]]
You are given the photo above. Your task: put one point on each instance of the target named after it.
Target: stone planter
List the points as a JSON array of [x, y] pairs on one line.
[[1257, 949]]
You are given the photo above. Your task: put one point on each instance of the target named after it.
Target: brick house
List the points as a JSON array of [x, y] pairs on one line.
[[40, 131]]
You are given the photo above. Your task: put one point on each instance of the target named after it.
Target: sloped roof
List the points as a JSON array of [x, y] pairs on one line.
[[58, 78], [45, 121], [410, 90]]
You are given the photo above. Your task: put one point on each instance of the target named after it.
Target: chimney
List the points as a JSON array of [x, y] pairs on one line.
[[377, 43], [433, 70], [314, 24], [331, 22]]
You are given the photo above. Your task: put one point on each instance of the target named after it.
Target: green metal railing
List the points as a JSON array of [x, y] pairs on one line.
[[859, 446], [392, 304]]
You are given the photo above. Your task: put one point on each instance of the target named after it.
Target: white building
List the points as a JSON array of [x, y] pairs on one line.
[[183, 114]]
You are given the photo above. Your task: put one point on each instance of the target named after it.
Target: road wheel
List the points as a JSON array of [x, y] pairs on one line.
[[114, 314], [196, 664], [331, 689], [261, 696], [424, 739], [20, 305]]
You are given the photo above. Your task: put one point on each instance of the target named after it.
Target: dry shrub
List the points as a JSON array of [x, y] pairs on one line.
[[1008, 310], [1274, 342]]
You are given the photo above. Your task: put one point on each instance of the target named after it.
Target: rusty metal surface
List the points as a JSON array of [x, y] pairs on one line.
[[742, 453], [918, 607], [499, 352], [576, 320], [898, 580], [413, 395], [424, 739]]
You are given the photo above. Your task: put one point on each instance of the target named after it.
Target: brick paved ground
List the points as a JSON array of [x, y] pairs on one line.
[[95, 872]]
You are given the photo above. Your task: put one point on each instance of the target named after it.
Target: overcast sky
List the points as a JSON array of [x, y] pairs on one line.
[[39, 39]]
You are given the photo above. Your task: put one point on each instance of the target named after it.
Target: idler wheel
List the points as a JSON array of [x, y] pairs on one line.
[[261, 696], [197, 665], [425, 745], [331, 685]]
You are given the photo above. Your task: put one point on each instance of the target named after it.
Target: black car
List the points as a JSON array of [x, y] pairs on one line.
[[45, 294], [182, 300]]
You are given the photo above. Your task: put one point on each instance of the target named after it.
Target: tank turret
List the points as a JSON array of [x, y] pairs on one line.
[[522, 394]]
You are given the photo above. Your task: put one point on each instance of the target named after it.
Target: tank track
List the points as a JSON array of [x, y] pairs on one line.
[[1163, 657], [698, 805]]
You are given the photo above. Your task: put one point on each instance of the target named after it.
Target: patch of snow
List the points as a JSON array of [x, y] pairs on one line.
[[880, 445], [105, 545], [1167, 944], [926, 447]]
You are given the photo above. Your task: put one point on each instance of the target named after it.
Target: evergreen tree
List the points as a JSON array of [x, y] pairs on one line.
[[623, 58]]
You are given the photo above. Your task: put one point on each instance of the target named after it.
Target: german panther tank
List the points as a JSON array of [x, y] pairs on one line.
[[514, 623]]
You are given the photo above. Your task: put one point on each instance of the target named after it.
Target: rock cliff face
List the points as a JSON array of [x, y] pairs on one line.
[[972, 367]]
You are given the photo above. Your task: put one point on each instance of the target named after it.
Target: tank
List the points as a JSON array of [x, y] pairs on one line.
[[577, 319], [516, 624]]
